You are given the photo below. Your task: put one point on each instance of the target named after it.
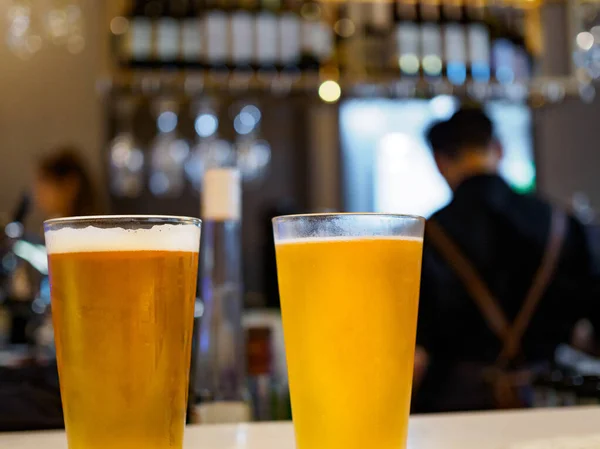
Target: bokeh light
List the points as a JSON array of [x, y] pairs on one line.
[[330, 91]]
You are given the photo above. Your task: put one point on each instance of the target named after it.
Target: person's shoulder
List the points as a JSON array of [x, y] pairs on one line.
[[442, 218], [531, 200], [441, 215], [530, 207]]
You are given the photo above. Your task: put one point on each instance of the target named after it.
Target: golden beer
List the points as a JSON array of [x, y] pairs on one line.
[[349, 313], [123, 327]]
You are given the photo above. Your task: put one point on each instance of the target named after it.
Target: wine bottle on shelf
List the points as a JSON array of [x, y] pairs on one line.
[[192, 41], [407, 39], [260, 380], [455, 43], [220, 377], [324, 40], [378, 26], [168, 33], [288, 55], [478, 38], [369, 37], [349, 41], [266, 37], [431, 40], [137, 50], [311, 13], [344, 29], [503, 48], [523, 57], [217, 35], [242, 28]]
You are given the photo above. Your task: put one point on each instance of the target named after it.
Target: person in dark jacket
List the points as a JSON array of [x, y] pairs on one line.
[[30, 395], [503, 235]]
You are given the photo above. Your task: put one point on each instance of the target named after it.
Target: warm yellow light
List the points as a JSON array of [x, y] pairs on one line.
[[409, 63], [344, 27], [432, 65], [330, 91], [310, 11], [119, 25]]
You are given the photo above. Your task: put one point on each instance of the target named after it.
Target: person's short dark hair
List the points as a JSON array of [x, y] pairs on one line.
[[468, 128], [64, 163]]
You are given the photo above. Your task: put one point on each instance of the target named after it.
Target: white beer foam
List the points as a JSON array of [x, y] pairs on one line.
[[164, 237]]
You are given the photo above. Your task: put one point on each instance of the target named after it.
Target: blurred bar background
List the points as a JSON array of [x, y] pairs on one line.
[[322, 105]]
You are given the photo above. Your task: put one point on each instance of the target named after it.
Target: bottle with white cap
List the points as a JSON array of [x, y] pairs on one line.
[[220, 371]]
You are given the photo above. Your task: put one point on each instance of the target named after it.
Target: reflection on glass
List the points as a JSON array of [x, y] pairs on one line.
[[208, 151], [126, 158], [169, 153], [253, 159], [253, 153]]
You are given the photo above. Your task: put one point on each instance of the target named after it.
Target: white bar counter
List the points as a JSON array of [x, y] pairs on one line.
[[575, 428]]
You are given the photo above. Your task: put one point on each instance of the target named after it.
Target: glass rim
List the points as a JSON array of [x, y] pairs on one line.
[[131, 218], [347, 214]]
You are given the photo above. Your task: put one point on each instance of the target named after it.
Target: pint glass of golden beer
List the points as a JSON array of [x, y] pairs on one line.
[[122, 292], [349, 287]]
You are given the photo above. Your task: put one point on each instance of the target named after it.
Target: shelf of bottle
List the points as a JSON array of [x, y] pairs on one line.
[[307, 85], [522, 4]]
